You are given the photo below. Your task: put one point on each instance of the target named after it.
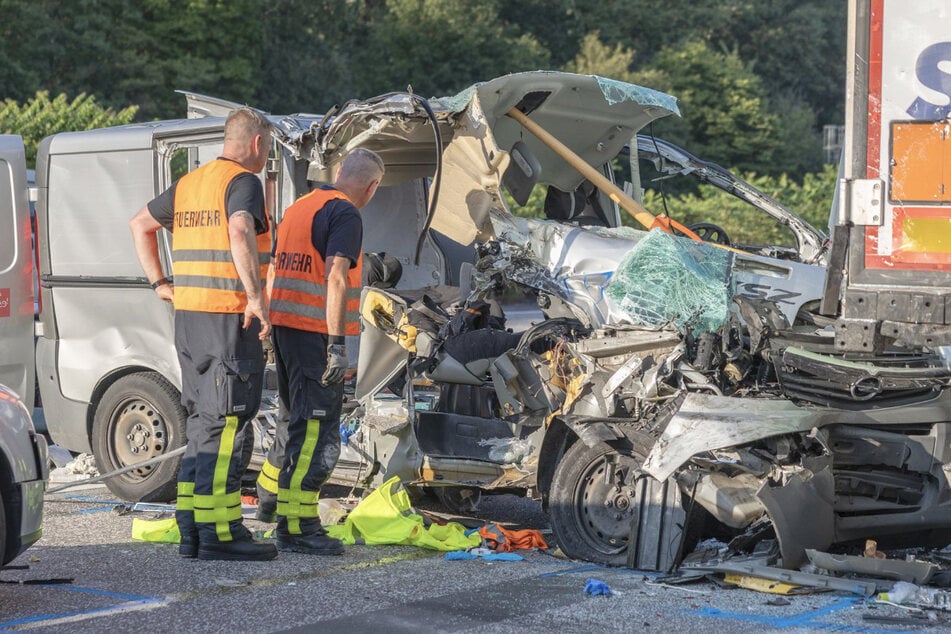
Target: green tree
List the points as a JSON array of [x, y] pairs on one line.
[[725, 115], [136, 51], [310, 53], [796, 47], [441, 46], [207, 46], [40, 117], [597, 58], [811, 199]]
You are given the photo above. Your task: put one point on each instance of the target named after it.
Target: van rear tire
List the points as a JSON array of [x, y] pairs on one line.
[[3, 530], [139, 417]]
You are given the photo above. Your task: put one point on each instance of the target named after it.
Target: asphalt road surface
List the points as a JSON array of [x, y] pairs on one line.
[[88, 575]]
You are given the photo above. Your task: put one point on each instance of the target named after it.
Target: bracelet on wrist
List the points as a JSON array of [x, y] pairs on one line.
[[334, 340], [161, 282]]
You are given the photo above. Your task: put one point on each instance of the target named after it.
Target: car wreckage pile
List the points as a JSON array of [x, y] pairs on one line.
[[636, 382], [650, 390], [736, 425]]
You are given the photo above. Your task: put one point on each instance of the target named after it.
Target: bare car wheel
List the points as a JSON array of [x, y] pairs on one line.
[[710, 232], [460, 500], [139, 417], [593, 501]]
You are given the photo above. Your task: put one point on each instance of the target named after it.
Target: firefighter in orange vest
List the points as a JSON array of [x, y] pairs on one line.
[[221, 244], [314, 294]]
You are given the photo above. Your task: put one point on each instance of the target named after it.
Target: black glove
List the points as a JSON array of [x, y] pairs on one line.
[[336, 364]]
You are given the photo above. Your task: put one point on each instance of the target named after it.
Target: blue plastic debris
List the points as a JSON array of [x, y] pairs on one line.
[[502, 557], [462, 555], [345, 432], [596, 587]]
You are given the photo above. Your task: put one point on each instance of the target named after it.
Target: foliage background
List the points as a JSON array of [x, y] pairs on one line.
[[756, 79]]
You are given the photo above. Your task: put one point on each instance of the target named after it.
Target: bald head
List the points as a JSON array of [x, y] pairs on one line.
[[359, 176]]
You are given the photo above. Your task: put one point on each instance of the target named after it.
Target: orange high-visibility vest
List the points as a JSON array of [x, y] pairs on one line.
[[206, 279], [299, 294]]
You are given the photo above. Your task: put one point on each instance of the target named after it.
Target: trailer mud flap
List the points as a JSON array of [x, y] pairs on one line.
[[658, 527]]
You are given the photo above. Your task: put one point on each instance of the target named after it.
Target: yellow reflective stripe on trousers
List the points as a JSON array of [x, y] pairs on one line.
[[221, 507], [267, 479], [185, 500], [293, 503]]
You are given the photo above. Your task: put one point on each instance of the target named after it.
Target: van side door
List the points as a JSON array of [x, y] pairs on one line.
[[16, 272]]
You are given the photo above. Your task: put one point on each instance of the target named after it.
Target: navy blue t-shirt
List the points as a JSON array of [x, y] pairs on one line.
[[338, 230]]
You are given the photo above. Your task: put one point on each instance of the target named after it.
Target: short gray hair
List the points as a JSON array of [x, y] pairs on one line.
[[362, 166], [244, 123]]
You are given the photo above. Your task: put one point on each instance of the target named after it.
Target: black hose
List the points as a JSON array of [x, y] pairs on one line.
[[437, 178]]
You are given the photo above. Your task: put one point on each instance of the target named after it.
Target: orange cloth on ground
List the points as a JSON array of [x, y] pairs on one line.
[[505, 540]]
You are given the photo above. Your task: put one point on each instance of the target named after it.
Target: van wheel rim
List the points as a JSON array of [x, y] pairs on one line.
[[606, 501], [139, 433]]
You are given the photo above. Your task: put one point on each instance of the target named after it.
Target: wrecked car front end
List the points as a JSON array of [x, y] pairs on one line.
[[648, 390]]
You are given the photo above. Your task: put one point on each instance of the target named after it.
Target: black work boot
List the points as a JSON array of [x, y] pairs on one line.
[[241, 548], [237, 550], [188, 535], [316, 542], [188, 547]]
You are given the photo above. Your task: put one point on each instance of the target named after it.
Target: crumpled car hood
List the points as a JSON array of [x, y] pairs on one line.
[[593, 116]]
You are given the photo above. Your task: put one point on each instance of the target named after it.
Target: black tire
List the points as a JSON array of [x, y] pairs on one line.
[[139, 417], [461, 500], [3, 529], [710, 232], [591, 518]]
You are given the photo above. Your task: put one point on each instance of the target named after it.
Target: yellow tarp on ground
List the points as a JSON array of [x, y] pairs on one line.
[[387, 517], [159, 531]]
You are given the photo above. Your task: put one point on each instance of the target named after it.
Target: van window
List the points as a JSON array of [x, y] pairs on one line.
[[90, 201], [187, 157], [178, 165], [8, 239]]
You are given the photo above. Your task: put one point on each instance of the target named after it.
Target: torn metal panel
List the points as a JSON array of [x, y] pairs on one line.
[[396, 126], [472, 168], [581, 259], [593, 116], [919, 572], [658, 527], [802, 513], [706, 422], [591, 431], [200, 106], [622, 342], [826, 582], [517, 476], [457, 471]]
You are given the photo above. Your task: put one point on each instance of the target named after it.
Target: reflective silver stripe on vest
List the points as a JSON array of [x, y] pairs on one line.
[[296, 308], [299, 285], [208, 281], [211, 255], [311, 288]]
